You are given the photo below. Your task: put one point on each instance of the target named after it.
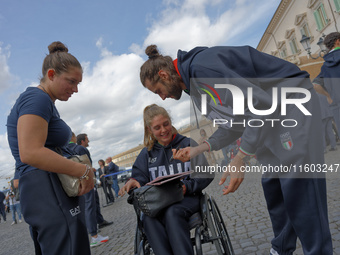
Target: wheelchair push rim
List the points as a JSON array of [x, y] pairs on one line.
[[220, 236]]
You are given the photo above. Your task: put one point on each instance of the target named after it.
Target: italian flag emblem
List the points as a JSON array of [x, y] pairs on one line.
[[286, 141]]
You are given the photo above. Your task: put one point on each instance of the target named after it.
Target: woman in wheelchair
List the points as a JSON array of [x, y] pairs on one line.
[[168, 232]]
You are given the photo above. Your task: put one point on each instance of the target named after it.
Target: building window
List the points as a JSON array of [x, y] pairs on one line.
[[320, 17], [291, 38], [283, 51], [305, 30], [337, 5], [293, 46]]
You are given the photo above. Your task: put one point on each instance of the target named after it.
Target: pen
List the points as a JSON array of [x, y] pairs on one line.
[[172, 157]]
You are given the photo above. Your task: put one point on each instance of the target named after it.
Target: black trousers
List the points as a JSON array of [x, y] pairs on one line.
[[2, 211], [297, 198], [169, 232]]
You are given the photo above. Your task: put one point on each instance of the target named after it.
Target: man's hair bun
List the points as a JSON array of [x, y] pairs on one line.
[[152, 51]]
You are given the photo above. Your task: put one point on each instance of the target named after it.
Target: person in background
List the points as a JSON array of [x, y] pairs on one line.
[[327, 130], [2, 206], [208, 154], [35, 130], [105, 181], [113, 168], [327, 82], [92, 207]]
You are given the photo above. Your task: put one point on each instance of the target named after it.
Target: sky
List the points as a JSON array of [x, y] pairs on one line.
[[109, 38]]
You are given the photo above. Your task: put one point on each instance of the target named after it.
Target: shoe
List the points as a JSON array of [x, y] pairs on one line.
[[273, 252], [333, 149], [98, 240], [20, 221], [13, 223], [104, 224]]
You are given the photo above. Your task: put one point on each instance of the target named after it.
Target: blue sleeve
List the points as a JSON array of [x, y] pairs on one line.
[[116, 168], [319, 80], [81, 150], [36, 104], [111, 167], [197, 181], [246, 68], [140, 169]]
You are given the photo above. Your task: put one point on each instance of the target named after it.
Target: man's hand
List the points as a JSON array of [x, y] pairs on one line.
[[329, 100], [236, 178]]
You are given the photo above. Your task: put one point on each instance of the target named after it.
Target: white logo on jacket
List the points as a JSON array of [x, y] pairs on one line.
[[75, 211], [152, 160], [162, 171]]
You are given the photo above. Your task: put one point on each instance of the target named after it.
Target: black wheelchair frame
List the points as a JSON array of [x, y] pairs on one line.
[[208, 227]]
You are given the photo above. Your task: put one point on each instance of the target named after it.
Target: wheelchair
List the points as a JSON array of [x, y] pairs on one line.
[[207, 224]]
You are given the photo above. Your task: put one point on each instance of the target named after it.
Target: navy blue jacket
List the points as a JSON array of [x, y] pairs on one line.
[[243, 67], [329, 76], [154, 163], [76, 149], [113, 168]]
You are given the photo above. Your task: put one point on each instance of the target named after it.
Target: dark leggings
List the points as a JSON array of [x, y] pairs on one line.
[[169, 233]]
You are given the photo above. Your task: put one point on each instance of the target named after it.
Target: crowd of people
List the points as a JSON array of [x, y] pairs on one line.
[[41, 142]]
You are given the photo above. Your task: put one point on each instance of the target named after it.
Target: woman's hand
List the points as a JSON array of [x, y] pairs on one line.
[[184, 189], [181, 154], [132, 183], [188, 153], [86, 185], [236, 177]]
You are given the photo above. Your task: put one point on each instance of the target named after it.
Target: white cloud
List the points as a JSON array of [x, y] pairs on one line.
[[5, 75], [187, 25], [7, 162]]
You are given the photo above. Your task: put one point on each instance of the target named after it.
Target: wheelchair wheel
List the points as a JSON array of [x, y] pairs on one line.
[[144, 248], [217, 228], [198, 241], [137, 241]]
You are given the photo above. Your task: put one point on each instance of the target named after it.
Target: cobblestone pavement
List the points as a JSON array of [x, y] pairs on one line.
[[244, 213]]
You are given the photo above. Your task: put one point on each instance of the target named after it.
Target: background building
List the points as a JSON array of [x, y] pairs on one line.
[[294, 19]]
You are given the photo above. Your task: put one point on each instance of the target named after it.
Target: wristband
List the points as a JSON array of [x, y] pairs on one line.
[[208, 145]]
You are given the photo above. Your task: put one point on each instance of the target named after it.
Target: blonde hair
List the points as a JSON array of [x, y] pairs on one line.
[[149, 113]]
